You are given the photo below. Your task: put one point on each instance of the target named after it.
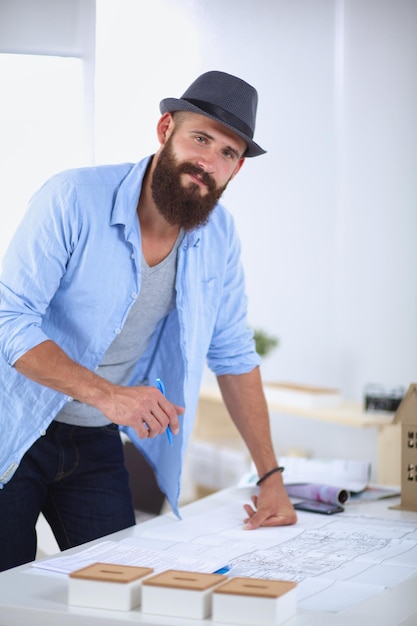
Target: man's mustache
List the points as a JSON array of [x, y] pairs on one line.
[[189, 168]]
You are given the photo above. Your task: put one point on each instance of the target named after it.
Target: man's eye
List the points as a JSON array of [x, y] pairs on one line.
[[201, 139]]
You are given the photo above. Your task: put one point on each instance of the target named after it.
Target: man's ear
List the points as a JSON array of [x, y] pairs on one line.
[[164, 127], [237, 168]]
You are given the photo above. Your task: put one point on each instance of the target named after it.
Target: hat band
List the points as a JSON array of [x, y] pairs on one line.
[[224, 116]]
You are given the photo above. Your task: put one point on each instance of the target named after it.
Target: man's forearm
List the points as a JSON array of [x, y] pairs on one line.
[[245, 401], [48, 365], [143, 408]]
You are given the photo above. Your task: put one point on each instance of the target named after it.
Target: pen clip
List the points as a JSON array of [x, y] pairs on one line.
[[160, 385]]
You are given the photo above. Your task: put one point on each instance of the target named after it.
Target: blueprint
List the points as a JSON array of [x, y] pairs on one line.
[[320, 551], [337, 561]]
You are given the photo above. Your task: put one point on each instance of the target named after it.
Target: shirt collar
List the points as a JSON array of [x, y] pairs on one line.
[[126, 202]]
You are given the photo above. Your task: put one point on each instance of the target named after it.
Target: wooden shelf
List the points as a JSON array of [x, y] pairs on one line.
[[346, 413]]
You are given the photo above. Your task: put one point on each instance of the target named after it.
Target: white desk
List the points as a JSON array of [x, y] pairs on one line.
[[32, 596]]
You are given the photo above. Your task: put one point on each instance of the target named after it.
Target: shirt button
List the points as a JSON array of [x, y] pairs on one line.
[[117, 331], [69, 399], [134, 295], [42, 433]]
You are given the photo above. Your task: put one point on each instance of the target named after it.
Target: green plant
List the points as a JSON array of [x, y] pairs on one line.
[[264, 342]]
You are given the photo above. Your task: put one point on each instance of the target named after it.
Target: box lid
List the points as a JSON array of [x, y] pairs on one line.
[[260, 587], [109, 572], [179, 579]]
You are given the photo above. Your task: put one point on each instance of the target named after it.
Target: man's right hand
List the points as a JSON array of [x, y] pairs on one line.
[[143, 408]]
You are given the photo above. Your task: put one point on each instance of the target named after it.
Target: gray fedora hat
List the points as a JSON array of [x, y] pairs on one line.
[[225, 99]]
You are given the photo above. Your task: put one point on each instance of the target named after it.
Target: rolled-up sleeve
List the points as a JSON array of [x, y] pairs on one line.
[[232, 348], [33, 267]]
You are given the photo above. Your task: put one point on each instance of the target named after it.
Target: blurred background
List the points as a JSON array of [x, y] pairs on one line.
[[327, 218]]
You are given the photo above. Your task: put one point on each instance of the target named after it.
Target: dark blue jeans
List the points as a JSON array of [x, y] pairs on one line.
[[77, 478]]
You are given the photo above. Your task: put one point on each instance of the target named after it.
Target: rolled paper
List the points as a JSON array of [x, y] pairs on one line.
[[321, 493]]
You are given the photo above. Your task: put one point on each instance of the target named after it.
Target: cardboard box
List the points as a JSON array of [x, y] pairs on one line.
[[107, 586], [254, 601], [179, 593]]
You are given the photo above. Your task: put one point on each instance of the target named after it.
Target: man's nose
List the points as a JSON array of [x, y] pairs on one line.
[[207, 161]]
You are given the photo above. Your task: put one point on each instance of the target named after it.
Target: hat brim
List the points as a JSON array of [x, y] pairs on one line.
[[170, 105]]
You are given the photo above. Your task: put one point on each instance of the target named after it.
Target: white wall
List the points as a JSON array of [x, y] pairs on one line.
[[328, 217], [376, 256], [47, 97], [46, 27]]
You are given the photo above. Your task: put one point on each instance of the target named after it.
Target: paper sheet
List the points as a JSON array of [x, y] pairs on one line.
[[352, 475], [124, 553]]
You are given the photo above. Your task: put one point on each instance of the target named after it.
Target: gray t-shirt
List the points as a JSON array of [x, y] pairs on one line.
[[155, 300]]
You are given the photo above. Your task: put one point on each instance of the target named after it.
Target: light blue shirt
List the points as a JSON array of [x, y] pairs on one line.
[[71, 274]]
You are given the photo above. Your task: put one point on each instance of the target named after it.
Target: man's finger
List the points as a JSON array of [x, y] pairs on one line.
[[274, 520]]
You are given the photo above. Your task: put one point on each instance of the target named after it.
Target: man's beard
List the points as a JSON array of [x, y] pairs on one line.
[[181, 205]]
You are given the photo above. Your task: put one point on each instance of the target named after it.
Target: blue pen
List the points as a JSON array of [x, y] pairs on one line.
[[223, 570], [160, 385]]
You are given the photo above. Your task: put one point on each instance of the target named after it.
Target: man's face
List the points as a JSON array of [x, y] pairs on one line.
[[193, 168]]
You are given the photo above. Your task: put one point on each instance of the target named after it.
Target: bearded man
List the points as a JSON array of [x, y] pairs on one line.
[[119, 276]]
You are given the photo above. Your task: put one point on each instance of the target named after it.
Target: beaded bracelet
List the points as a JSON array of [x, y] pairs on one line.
[[272, 471]]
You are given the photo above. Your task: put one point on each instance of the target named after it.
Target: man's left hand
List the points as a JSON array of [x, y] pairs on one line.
[[271, 507]]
